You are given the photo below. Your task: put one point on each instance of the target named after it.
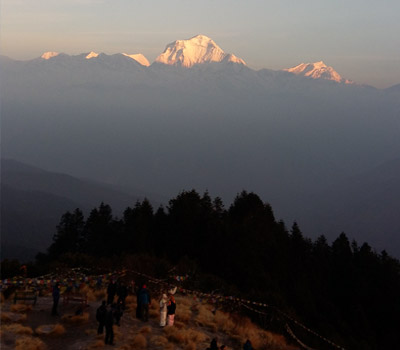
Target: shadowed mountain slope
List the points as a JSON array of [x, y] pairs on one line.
[[33, 201]]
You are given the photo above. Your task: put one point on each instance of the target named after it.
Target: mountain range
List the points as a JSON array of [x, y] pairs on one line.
[[198, 117], [200, 50]]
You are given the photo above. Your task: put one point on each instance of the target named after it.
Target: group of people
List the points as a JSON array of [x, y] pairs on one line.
[[167, 310], [120, 289], [167, 306], [107, 316], [109, 313]]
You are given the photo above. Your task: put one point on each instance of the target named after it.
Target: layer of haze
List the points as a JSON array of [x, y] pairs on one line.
[[358, 38]]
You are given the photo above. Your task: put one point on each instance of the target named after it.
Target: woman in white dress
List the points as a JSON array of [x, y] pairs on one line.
[[163, 310]]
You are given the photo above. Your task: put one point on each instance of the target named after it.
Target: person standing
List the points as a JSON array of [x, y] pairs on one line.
[[56, 298], [109, 339], [214, 344], [122, 292], [117, 312], [111, 290], [101, 314], [163, 310], [171, 311], [144, 302], [138, 306], [247, 345]]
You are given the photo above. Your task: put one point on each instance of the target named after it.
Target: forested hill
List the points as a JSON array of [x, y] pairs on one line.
[[343, 290]]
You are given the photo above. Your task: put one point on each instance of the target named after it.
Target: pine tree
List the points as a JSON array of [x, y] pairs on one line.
[[69, 234]]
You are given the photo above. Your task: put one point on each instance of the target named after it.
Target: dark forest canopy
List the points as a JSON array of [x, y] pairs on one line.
[[343, 290]]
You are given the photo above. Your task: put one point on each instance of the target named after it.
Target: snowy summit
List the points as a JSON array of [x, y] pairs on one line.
[[91, 54], [317, 70], [49, 54], [197, 50], [138, 57]]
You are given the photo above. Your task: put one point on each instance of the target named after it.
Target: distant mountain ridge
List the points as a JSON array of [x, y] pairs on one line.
[[201, 49], [139, 58]]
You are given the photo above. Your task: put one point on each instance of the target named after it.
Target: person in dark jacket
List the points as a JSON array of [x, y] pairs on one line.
[[117, 311], [109, 339], [122, 292], [171, 311], [144, 302], [213, 345], [111, 290], [101, 314], [56, 298], [138, 306], [247, 345]]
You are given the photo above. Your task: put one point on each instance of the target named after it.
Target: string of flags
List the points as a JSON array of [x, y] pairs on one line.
[[181, 278], [297, 323], [290, 332], [78, 278], [214, 298]]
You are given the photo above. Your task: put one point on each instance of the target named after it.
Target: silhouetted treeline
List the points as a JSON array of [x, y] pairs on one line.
[[345, 291]]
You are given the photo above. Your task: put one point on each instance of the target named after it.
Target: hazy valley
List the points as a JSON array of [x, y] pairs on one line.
[[309, 145]]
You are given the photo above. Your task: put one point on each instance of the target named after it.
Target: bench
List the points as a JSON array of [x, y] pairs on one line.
[[25, 295], [75, 297]]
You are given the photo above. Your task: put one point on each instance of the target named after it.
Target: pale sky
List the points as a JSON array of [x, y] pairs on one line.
[[359, 38]]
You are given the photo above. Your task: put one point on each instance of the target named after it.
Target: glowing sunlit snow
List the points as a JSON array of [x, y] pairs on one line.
[[197, 50], [317, 70], [49, 54], [91, 55], [139, 58]]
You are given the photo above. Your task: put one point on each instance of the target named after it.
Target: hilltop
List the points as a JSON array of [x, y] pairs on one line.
[[196, 324]]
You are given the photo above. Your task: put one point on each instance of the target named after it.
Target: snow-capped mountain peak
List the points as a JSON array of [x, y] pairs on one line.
[[139, 58], [91, 54], [49, 54], [317, 70], [196, 50]]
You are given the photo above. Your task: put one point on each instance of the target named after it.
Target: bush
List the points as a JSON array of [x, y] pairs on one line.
[[139, 342], [12, 317], [53, 330], [159, 340], [145, 330], [20, 308], [76, 319], [17, 329], [29, 343]]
